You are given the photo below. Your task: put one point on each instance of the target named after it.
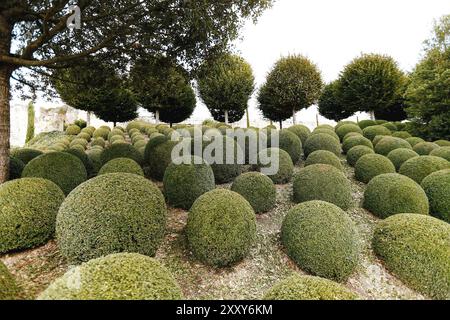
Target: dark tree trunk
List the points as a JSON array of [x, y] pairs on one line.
[[115, 124], [281, 124]]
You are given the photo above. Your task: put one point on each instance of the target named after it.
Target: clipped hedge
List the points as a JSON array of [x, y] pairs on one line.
[[442, 152], [73, 130], [373, 131], [400, 156], [87, 162], [372, 165], [258, 189], [8, 287], [284, 162], [322, 141], [301, 131], [345, 129], [414, 140], [291, 143], [388, 144], [355, 153], [356, 141], [402, 134], [324, 157], [124, 165], [437, 188], [419, 168], [101, 133], [328, 131], [121, 150], [425, 148], [25, 154], [158, 154]]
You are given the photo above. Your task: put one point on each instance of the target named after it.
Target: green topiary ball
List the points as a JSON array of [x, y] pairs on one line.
[[184, 183], [392, 193], [414, 141], [402, 134], [342, 131], [25, 154], [372, 165], [301, 131], [356, 141], [390, 126], [94, 155], [120, 276], [84, 135], [116, 139], [324, 157], [327, 131], [387, 144], [16, 167], [292, 144], [322, 182], [258, 189], [226, 172], [342, 123], [425, 148], [322, 141], [28, 209], [8, 287], [355, 153], [121, 150], [98, 142], [282, 160], [87, 162], [158, 156], [437, 188], [366, 123], [64, 169], [321, 239], [299, 287], [116, 212], [125, 165], [221, 227], [352, 134], [378, 139], [373, 131], [81, 142], [73, 130], [419, 168], [442, 152], [101, 133], [443, 143], [400, 156], [416, 249]]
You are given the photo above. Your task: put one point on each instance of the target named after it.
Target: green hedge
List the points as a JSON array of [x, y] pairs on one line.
[[343, 130], [291, 143], [437, 188], [301, 131], [372, 165], [442, 152], [16, 167], [419, 168], [388, 144], [25, 154], [399, 156], [324, 157], [373, 131], [121, 150], [425, 148], [73, 130], [322, 141], [124, 165], [285, 165], [355, 153], [258, 189], [356, 141], [158, 156], [8, 287], [414, 140]]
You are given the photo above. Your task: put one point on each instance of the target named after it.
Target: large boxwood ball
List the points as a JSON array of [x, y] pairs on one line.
[[121, 150], [64, 169], [372, 165], [120, 276], [125, 165], [16, 167], [442, 152], [324, 157], [437, 188], [321, 239], [342, 131], [373, 131], [158, 156], [25, 154], [301, 131], [285, 164], [392, 193], [356, 141], [419, 168], [184, 183], [342, 123], [322, 141], [221, 227], [414, 140], [8, 287], [387, 144], [28, 209], [425, 148], [355, 153], [258, 189], [94, 155], [378, 139], [416, 249], [298, 287], [87, 162], [400, 156], [390, 126], [290, 143], [322, 182], [116, 212]]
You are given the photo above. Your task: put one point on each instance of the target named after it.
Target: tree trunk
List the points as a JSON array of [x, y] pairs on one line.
[[372, 115], [226, 116], [248, 118], [281, 124], [88, 118], [317, 119], [115, 124], [294, 120], [157, 116]]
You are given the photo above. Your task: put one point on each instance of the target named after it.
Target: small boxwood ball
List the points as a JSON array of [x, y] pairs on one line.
[[298, 287], [125, 165], [285, 164], [416, 249], [15, 168], [184, 183], [140, 144], [226, 172], [101, 132], [94, 155], [329, 132], [378, 139], [322, 141], [414, 140], [325, 126], [116, 138], [258, 189], [443, 143], [221, 227], [322, 182], [355, 153], [321, 239], [392, 193], [366, 123], [324, 157], [28, 209], [373, 131], [437, 188], [425, 148], [342, 123], [73, 130], [290, 143], [84, 135], [390, 126], [120, 276], [347, 128], [81, 142], [98, 142], [419, 168], [402, 134], [121, 150], [116, 212], [400, 156], [87, 162], [301, 131], [64, 169], [356, 141], [25, 154], [352, 134], [372, 165], [8, 287], [387, 144], [442, 152], [158, 155]]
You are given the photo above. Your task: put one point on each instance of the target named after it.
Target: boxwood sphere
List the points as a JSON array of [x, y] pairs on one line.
[[64, 169], [116, 138], [366, 123], [98, 142], [437, 188], [301, 131], [342, 123], [402, 134], [387, 144], [28, 209], [414, 140], [285, 165], [419, 168], [324, 157], [121, 150], [15, 168], [356, 141], [416, 249], [101, 132], [221, 227], [329, 132], [292, 144], [391, 126], [352, 134], [225, 172], [373, 131], [8, 287], [298, 287], [125, 165], [442, 152], [184, 183], [372, 165], [158, 155], [355, 153], [73, 130], [258, 189], [443, 143], [322, 141], [94, 155], [322, 182], [120, 276], [25, 154], [378, 139], [392, 193], [321, 239], [116, 212], [87, 162], [400, 156], [342, 131], [425, 148]]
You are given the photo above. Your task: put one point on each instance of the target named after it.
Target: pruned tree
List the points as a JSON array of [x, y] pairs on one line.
[[115, 105], [329, 105]]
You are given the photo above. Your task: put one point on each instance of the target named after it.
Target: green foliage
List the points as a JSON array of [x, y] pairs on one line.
[[425, 148], [73, 130], [28, 209], [121, 150], [329, 105], [321, 239], [437, 188], [356, 141], [402, 134], [355, 153], [366, 123], [371, 165], [117, 212], [225, 172], [15, 168], [94, 155], [419, 168], [443, 143], [8, 287], [158, 156], [115, 105], [120, 276], [101, 133], [399, 156], [324, 157], [415, 248], [87, 162], [343, 130], [258, 189], [301, 131], [285, 165], [414, 140], [30, 123], [291, 143], [221, 227], [98, 142], [322, 141], [388, 144], [377, 130], [326, 130], [125, 165], [392, 193], [442, 152]]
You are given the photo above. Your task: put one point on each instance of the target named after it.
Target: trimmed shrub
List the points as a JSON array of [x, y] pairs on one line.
[[25, 154], [366, 123], [414, 140], [425, 148], [81, 142], [419, 168], [64, 169], [352, 134], [84, 135], [101, 133], [443, 143], [124, 165], [94, 155], [324, 157], [299, 287], [140, 144], [292, 144], [184, 183], [221, 227], [325, 126], [378, 139], [322, 182], [120, 276], [442, 152], [387, 144], [87, 162], [116, 138], [98, 142], [15, 168], [116, 212], [28, 209], [322, 141], [392, 193], [390, 126], [399, 156], [321, 239], [329, 132], [402, 135], [372, 165], [355, 153], [158, 156], [437, 188], [347, 128], [301, 131], [343, 123], [285, 165], [258, 189], [416, 249], [373, 131], [356, 141], [121, 150], [73, 130], [8, 287]]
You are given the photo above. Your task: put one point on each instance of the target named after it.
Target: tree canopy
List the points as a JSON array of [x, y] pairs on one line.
[[115, 105], [330, 106]]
